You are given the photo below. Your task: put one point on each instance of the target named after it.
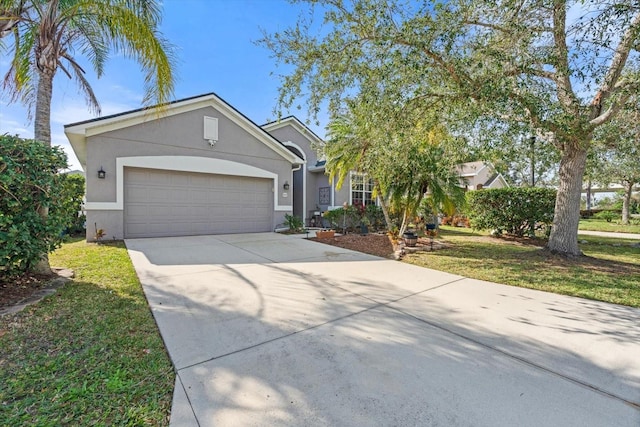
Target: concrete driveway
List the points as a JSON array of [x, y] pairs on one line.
[[274, 330]]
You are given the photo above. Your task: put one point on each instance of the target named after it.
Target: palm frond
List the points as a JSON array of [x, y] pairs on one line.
[[78, 73]]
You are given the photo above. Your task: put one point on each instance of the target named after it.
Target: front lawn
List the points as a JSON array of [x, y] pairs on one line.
[[593, 224], [89, 355], [610, 272]]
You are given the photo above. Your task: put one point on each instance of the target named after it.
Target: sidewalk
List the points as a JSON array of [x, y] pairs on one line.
[[633, 236]]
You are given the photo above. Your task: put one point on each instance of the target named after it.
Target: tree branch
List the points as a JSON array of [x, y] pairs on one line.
[[611, 112], [486, 25], [537, 72], [609, 85], [439, 61], [563, 82]]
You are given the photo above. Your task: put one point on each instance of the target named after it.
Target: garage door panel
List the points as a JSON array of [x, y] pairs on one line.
[[201, 195], [137, 210], [263, 199], [137, 193], [137, 176], [169, 203]]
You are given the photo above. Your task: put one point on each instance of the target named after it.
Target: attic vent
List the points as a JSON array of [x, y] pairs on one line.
[[211, 129]]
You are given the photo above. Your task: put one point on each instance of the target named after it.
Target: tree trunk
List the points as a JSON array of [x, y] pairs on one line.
[[626, 201], [564, 232], [42, 123], [410, 211], [404, 225], [42, 133], [589, 196], [383, 206]]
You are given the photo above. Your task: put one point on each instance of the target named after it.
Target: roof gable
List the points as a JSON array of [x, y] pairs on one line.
[[77, 133], [297, 125], [471, 168]]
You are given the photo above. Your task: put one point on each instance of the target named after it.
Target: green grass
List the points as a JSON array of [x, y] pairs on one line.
[[610, 271], [602, 225], [89, 355]]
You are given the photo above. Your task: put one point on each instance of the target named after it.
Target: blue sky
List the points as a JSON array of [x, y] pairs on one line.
[[216, 52]]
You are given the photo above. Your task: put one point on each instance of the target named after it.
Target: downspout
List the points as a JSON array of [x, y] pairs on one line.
[[333, 193], [304, 193]]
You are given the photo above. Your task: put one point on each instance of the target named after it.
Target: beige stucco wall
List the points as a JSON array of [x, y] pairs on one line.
[[177, 135]]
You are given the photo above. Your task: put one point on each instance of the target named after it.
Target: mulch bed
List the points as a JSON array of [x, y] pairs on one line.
[[373, 244], [16, 289]]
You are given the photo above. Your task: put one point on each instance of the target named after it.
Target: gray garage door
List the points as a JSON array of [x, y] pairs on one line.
[[167, 203]]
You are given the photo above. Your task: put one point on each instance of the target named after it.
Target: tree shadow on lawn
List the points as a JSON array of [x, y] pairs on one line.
[[86, 354], [532, 255]]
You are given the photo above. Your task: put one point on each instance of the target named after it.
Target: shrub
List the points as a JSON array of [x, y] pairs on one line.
[[351, 217], [340, 218], [29, 185], [70, 202], [514, 211], [293, 222], [607, 215], [376, 217]]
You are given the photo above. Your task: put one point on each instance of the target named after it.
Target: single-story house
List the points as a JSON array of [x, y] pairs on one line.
[[202, 167], [198, 167]]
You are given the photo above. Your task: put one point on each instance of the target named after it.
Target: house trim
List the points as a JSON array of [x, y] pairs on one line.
[[498, 178], [304, 180], [476, 173], [296, 124], [184, 164]]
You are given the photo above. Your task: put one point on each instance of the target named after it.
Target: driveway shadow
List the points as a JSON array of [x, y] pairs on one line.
[[367, 341]]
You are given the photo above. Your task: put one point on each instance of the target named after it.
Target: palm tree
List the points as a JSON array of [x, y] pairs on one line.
[[350, 137], [49, 35], [420, 163], [407, 155]]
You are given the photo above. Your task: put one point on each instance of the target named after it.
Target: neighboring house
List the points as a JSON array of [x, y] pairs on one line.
[[479, 175], [198, 167]]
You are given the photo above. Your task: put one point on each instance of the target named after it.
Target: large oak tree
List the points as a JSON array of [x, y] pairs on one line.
[[558, 66]]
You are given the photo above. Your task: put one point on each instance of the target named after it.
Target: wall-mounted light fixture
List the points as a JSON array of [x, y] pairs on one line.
[[101, 173], [286, 185]]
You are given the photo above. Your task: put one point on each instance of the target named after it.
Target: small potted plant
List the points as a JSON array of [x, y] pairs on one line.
[[410, 238], [364, 225], [325, 234]]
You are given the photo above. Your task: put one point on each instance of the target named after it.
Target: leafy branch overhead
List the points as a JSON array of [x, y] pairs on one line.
[[560, 68]]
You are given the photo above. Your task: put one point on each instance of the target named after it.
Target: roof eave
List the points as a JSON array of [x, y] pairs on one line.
[[297, 124], [78, 132]]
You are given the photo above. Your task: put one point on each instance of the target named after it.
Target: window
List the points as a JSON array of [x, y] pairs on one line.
[[361, 190], [325, 195]]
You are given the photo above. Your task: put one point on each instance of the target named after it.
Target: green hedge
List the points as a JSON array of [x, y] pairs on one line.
[[511, 210], [29, 185]]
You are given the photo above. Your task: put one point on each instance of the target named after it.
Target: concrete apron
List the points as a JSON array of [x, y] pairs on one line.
[[267, 329]]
